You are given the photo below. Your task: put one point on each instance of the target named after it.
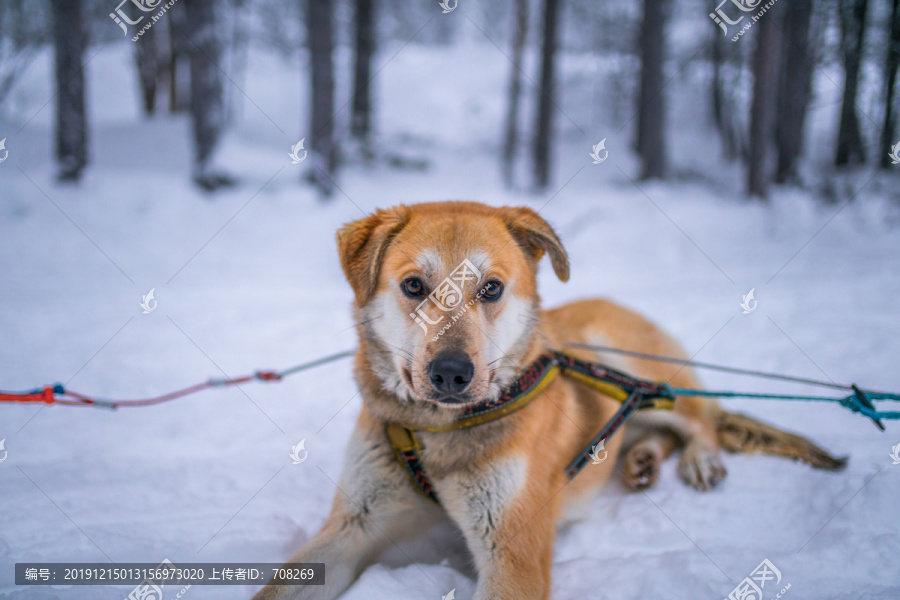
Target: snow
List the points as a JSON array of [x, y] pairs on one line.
[[250, 279]]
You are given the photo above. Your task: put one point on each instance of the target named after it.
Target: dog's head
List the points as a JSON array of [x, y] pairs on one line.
[[447, 295]]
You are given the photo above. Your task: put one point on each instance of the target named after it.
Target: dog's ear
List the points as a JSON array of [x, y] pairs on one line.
[[362, 244], [535, 236]]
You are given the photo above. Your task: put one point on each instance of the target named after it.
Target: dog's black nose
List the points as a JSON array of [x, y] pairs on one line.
[[451, 372]]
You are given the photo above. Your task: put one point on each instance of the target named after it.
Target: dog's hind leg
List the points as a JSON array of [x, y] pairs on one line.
[[740, 433]]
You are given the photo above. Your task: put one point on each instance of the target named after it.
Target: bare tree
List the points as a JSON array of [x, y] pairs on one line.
[[175, 70], [207, 105], [70, 40], [727, 71], [764, 105], [148, 69], [717, 92], [511, 137], [22, 32], [850, 148], [651, 125], [891, 63], [361, 120], [323, 150], [794, 86], [547, 91], [240, 41]]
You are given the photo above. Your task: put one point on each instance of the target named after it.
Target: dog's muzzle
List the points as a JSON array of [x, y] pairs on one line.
[[451, 373]]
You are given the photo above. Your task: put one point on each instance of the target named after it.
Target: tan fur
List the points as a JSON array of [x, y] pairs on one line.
[[502, 483]]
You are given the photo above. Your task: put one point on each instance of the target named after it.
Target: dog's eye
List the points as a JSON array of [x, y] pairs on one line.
[[413, 287], [492, 290]]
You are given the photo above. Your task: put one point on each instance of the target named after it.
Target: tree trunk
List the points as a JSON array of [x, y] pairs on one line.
[[240, 40], [148, 69], [323, 151], [70, 40], [546, 101], [727, 68], [889, 128], [206, 105], [850, 148], [764, 106], [25, 32], [795, 87], [510, 139], [651, 125], [179, 82], [717, 95], [361, 120]]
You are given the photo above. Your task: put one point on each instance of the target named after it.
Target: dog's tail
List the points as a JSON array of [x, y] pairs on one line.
[[740, 433]]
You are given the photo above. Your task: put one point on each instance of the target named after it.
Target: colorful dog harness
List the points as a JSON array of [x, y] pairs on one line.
[[634, 394]]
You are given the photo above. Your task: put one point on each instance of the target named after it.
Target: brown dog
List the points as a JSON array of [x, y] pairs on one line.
[[503, 482]]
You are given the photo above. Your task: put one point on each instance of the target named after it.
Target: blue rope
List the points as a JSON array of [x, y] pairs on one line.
[[860, 402]]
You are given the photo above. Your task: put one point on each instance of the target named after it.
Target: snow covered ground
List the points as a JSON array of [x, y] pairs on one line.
[[250, 279]]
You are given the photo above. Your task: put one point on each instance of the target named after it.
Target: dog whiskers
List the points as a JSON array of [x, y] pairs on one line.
[[367, 321], [398, 348], [501, 358]]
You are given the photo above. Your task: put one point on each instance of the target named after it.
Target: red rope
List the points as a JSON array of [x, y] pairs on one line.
[[58, 394], [47, 394]]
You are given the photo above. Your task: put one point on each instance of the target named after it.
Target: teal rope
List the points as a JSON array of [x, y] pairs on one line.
[[859, 402], [851, 402]]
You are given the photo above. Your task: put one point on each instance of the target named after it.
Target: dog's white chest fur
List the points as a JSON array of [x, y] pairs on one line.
[[478, 499]]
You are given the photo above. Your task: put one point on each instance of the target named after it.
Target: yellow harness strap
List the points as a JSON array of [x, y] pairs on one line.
[[633, 393], [510, 407]]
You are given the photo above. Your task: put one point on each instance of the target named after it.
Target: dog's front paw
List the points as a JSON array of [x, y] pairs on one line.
[[641, 466], [701, 467]]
